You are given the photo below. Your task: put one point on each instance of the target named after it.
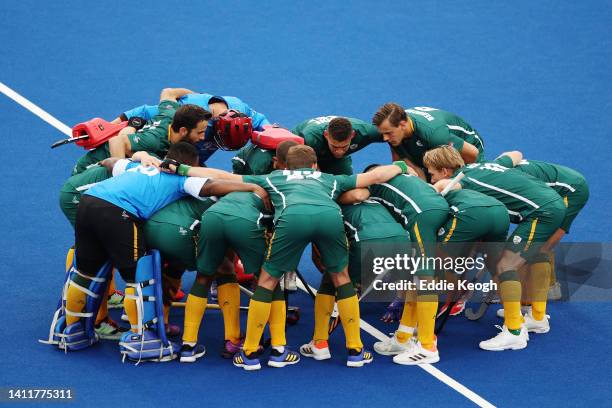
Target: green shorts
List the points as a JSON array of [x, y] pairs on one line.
[[340, 166], [474, 224], [535, 230], [424, 234], [221, 232], [574, 202], [69, 204], [175, 243], [294, 231]]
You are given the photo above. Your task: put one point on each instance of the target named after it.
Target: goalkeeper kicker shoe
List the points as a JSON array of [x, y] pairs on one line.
[[319, 350], [115, 300], [505, 340], [281, 359]]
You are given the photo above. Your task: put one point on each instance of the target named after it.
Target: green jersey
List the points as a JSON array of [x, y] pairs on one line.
[[433, 128], [184, 213], [312, 132], [407, 196], [370, 220], [152, 138], [242, 205], [75, 186], [520, 194], [562, 179], [307, 188], [461, 200], [253, 160]]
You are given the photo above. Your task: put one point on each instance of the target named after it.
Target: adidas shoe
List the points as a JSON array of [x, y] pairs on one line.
[[280, 360], [318, 350], [115, 300], [536, 326], [505, 340], [190, 354], [457, 308], [107, 329], [248, 363], [391, 346], [359, 358], [417, 354]]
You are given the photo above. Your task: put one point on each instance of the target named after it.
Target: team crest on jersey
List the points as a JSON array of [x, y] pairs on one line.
[[441, 231], [125, 215], [136, 139], [75, 200], [517, 240], [353, 146], [183, 231], [419, 143]]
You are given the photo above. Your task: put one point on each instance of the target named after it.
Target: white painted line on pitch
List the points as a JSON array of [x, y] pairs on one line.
[[430, 369], [47, 117], [367, 327]]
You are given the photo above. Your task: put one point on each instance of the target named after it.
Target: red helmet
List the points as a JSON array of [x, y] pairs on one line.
[[233, 130]]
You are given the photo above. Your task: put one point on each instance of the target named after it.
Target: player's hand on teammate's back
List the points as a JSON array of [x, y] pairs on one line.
[[263, 194]]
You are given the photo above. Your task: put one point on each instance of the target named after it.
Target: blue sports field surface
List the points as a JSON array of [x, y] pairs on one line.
[[533, 76]]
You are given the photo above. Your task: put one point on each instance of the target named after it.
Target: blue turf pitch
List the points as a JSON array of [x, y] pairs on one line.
[[533, 76]]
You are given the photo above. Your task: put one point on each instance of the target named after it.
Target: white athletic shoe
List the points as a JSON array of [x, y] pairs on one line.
[[506, 340], [318, 353], [417, 354], [537, 326], [554, 291], [524, 309], [391, 346]]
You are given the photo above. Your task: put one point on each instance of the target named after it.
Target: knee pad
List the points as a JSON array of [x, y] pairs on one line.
[[150, 341], [81, 334]]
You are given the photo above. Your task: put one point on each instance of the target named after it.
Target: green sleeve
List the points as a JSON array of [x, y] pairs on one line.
[[346, 183], [153, 136], [373, 135], [442, 136], [239, 164], [505, 161], [259, 180]]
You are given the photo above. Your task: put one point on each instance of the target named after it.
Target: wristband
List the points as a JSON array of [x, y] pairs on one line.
[[402, 165], [183, 169]]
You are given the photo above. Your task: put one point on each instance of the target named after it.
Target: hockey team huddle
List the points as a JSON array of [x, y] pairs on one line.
[[145, 204]]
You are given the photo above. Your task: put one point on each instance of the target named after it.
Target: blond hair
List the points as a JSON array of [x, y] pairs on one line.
[[443, 157]]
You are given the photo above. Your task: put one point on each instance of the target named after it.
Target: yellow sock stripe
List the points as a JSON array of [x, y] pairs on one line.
[[531, 233], [452, 229], [418, 237], [135, 241], [566, 201], [270, 246]]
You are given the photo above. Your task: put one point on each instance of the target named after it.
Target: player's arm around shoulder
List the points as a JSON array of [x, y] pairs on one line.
[[509, 159], [173, 94], [222, 187], [381, 174], [354, 196]]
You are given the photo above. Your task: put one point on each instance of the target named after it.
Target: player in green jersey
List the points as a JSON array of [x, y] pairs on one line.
[[422, 212], [569, 184], [335, 138], [412, 132], [540, 210], [173, 124], [367, 225], [305, 211]]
